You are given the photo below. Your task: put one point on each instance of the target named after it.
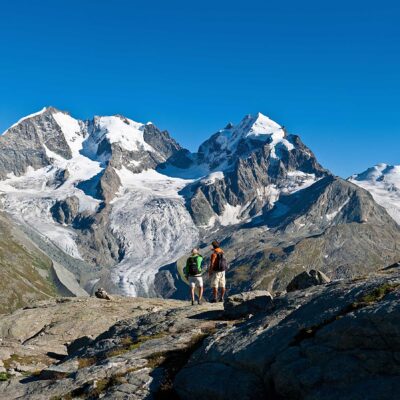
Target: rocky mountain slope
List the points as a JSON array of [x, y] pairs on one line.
[[338, 340], [333, 226], [117, 203], [383, 182], [26, 273]]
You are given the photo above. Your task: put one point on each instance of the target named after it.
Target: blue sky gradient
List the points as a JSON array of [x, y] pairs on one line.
[[327, 70]]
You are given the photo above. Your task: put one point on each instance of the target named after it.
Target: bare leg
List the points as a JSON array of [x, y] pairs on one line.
[[192, 292], [200, 292], [222, 292], [215, 293]]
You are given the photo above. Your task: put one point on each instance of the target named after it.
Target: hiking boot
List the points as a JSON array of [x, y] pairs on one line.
[[192, 302], [221, 300], [200, 302]]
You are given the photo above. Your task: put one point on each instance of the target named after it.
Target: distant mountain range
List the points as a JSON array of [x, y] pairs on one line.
[[383, 182], [120, 203]]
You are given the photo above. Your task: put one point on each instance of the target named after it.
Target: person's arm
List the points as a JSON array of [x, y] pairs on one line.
[[199, 262], [212, 261]]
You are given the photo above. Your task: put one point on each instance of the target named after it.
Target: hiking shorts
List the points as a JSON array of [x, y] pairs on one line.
[[195, 281], [218, 279]]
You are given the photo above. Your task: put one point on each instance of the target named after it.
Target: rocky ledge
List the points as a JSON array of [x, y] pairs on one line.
[[339, 340]]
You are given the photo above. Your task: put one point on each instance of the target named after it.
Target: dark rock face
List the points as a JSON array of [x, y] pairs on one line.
[[23, 146], [60, 177], [307, 279], [161, 141], [181, 159], [97, 242], [108, 184], [65, 211]]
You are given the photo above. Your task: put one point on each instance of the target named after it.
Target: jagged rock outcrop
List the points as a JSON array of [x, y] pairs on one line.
[[65, 211], [307, 279], [161, 141]]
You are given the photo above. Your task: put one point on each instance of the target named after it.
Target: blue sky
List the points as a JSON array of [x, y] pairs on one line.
[[327, 70]]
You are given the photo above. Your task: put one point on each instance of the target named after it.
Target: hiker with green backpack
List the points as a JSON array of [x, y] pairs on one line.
[[193, 271]]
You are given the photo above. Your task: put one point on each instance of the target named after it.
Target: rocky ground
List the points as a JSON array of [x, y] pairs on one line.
[[336, 340]]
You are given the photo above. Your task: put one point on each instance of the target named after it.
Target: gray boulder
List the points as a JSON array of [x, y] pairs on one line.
[[102, 294], [307, 279], [243, 304]]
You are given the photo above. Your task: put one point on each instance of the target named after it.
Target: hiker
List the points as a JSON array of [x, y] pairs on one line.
[[216, 271], [193, 272]]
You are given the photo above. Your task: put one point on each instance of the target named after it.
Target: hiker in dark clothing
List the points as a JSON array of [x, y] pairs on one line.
[[193, 272], [216, 271]]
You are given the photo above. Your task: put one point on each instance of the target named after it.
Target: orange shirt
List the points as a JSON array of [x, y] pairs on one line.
[[214, 257]]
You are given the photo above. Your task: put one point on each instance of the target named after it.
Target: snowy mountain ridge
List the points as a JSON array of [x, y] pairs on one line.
[[383, 182]]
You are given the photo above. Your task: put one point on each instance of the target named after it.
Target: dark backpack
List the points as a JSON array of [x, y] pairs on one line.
[[221, 264], [193, 268]]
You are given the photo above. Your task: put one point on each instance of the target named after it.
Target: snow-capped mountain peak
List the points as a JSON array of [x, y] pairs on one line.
[[383, 182], [380, 172], [258, 126], [252, 131], [126, 132]]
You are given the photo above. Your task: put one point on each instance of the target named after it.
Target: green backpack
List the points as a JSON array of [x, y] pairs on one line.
[[192, 266]]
